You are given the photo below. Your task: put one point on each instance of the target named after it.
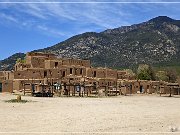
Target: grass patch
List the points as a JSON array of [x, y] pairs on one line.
[[16, 101]]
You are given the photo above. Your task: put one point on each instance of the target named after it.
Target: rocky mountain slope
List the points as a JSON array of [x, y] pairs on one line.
[[155, 42]]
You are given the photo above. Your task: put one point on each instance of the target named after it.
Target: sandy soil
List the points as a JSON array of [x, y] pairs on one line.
[[113, 115]]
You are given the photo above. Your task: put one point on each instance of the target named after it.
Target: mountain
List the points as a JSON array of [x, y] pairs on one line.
[[8, 64], [155, 42]]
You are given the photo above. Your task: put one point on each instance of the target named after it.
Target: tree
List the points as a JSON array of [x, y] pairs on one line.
[[19, 60], [172, 75], [161, 76], [145, 72], [130, 73]]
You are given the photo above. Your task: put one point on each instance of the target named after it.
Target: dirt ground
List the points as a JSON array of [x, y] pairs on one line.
[[135, 114]]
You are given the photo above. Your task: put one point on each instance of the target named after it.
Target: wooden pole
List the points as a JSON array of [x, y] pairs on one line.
[[24, 85], [170, 92], [24, 89]]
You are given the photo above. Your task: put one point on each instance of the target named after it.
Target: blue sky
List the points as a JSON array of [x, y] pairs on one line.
[[28, 26]]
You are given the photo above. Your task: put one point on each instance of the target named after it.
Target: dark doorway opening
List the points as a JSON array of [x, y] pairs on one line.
[[56, 64], [0, 87], [141, 89], [45, 74], [63, 74], [94, 75], [71, 70]]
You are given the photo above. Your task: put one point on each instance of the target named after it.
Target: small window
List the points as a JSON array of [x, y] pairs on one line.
[[64, 73], [45, 73], [81, 71], [71, 70], [94, 74], [19, 74], [56, 64]]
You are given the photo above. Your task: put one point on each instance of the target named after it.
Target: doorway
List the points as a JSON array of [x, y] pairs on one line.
[[0, 87], [141, 89]]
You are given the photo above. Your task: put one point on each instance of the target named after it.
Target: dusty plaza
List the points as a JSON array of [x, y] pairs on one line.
[[69, 96], [133, 114]]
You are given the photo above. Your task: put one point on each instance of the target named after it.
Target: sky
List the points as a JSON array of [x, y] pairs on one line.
[[27, 25]]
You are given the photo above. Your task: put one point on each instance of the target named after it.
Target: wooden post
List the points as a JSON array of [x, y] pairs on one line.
[[24, 85], [96, 91], [74, 90], [170, 92], [116, 88], [87, 91], [24, 89]]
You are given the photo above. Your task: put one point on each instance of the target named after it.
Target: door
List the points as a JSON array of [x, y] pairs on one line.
[[0, 87], [141, 89]]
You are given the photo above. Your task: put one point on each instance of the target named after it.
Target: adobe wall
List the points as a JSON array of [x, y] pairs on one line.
[[40, 54], [70, 62], [107, 82], [75, 70], [111, 73], [39, 73], [49, 64], [96, 72], [21, 66], [121, 74], [1, 73], [37, 60], [129, 87], [101, 73], [6, 75], [7, 86], [17, 85], [2, 77]]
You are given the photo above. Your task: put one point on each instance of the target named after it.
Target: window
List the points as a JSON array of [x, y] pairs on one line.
[[94, 74], [81, 71], [63, 74], [56, 64], [71, 70], [45, 74]]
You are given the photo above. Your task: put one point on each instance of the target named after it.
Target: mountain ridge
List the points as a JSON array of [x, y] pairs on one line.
[[155, 42]]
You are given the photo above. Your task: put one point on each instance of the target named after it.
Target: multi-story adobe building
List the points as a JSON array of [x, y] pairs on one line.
[[41, 68], [44, 70]]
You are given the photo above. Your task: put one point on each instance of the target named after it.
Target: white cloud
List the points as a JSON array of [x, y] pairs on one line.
[[8, 18], [75, 18], [50, 31]]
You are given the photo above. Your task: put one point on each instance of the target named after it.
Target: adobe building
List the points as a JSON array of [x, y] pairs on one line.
[[44, 71], [6, 81], [38, 67]]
